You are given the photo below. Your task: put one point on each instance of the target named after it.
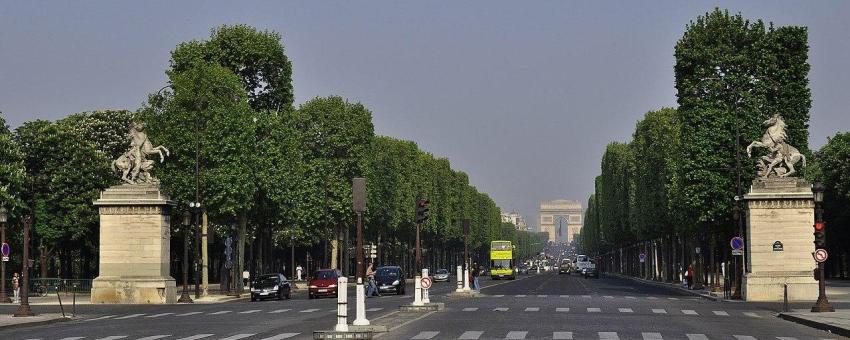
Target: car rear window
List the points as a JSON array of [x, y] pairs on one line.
[[325, 274], [392, 272]]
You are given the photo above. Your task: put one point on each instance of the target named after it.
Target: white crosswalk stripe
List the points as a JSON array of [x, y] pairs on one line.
[[631, 297], [129, 316], [744, 337], [689, 312], [521, 296], [102, 317], [562, 309], [252, 311], [752, 315], [238, 336], [608, 296], [374, 309], [672, 298], [608, 336], [720, 313], [785, 338], [470, 335], [659, 311], [499, 296], [516, 335], [158, 315], [532, 309], [565, 296], [190, 313], [651, 336], [500, 309], [697, 337], [154, 337], [625, 310], [562, 335], [426, 335], [114, 337], [220, 312], [276, 311], [594, 310], [310, 310], [281, 336], [196, 336], [470, 309], [73, 338], [543, 295]]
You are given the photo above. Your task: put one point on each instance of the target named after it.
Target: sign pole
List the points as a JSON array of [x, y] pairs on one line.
[[358, 187], [5, 252]]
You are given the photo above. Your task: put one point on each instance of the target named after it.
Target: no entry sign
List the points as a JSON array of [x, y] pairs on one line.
[[426, 282], [821, 255]]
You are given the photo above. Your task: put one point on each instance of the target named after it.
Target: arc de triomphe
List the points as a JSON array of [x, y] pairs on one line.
[[562, 219]]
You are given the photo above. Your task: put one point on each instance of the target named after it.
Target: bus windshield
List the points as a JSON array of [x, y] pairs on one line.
[[500, 264]]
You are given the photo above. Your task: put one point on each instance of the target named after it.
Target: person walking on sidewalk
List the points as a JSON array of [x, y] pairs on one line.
[[690, 276], [16, 288], [372, 289]]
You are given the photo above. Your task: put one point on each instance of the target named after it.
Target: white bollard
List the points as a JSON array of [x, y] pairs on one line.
[[342, 304], [425, 299], [361, 305], [466, 279], [417, 294], [459, 279]]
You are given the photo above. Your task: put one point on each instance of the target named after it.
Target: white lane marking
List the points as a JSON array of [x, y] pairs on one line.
[[252, 311], [744, 337], [586, 296], [752, 315], [631, 297], [565, 296], [280, 311], [608, 296], [101, 318], [191, 313], [672, 298], [651, 336], [532, 309], [154, 337], [374, 309], [470, 309], [158, 315], [196, 336], [499, 296], [516, 335], [470, 335], [309, 310], [426, 335], [129, 316], [220, 312], [625, 310], [73, 338], [659, 311], [689, 312], [608, 336], [114, 337], [543, 295], [593, 310], [281, 336], [238, 336], [520, 296], [562, 309], [697, 337], [785, 338], [562, 335], [720, 313], [500, 309]]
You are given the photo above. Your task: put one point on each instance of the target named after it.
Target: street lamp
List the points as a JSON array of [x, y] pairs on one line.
[[822, 305], [24, 309], [195, 209], [184, 296], [3, 217]]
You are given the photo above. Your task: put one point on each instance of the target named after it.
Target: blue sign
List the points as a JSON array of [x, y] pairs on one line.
[[4, 250], [737, 243]]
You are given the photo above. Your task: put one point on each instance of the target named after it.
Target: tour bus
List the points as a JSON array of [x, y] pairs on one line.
[[502, 260]]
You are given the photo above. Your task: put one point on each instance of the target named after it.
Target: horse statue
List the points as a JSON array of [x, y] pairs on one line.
[[133, 165], [774, 139]]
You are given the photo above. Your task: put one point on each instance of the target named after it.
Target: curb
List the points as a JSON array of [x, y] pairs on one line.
[[35, 323], [664, 285], [814, 324]]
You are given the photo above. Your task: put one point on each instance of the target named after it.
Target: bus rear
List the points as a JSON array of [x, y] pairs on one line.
[[502, 260]]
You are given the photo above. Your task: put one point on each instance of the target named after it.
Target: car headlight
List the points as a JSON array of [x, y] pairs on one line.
[[254, 290], [332, 286], [395, 283], [314, 286], [275, 288]]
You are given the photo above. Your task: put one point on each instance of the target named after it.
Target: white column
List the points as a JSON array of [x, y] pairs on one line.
[[466, 279], [459, 279], [361, 305], [417, 295], [425, 299], [342, 305]]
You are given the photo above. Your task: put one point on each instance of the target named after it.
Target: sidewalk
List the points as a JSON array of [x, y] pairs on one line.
[[837, 322], [8, 321], [704, 293]]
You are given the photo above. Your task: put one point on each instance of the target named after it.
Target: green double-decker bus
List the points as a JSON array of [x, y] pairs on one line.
[[502, 260]]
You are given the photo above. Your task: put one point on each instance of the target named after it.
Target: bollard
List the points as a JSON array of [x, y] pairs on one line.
[[361, 304], [342, 304], [425, 299], [459, 279], [466, 279], [417, 295], [62, 308], [785, 293]]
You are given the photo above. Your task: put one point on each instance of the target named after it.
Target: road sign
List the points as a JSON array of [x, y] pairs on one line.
[[737, 242], [821, 255], [642, 257], [426, 282], [737, 252], [4, 250], [5, 259]]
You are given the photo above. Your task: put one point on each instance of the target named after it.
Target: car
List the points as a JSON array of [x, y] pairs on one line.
[[590, 271], [390, 279], [522, 270], [441, 275], [271, 286], [566, 267], [323, 283]]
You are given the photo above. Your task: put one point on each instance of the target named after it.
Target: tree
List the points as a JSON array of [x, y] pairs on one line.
[[833, 162], [107, 129], [615, 190], [655, 149], [12, 173]]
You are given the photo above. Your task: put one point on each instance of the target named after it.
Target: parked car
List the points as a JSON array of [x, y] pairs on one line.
[[323, 283], [390, 279], [270, 286], [441, 275]]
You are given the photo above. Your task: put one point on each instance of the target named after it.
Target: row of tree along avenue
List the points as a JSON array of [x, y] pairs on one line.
[[670, 192], [276, 176]]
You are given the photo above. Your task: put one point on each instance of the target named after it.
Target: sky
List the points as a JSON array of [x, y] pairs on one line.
[[522, 96]]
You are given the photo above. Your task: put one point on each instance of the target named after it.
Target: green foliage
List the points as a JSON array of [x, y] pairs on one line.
[[106, 129], [12, 174], [655, 146], [833, 161], [615, 191]]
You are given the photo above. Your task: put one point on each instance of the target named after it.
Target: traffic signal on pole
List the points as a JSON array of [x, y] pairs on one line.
[[820, 235], [421, 210]]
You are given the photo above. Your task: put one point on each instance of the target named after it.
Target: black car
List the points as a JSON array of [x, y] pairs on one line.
[[590, 271], [390, 279], [270, 286]]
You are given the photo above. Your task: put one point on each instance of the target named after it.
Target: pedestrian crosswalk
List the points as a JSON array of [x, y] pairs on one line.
[[280, 336], [623, 310], [607, 297], [569, 335], [232, 313]]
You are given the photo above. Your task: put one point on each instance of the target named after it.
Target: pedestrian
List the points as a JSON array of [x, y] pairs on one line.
[[16, 288], [690, 276], [371, 285], [299, 272], [475, 273]]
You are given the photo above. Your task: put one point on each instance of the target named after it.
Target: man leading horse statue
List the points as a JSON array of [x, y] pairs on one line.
[[780, 160], [133, 165]]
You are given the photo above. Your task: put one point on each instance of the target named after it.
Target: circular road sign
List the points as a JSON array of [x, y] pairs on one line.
[[821, 255], [4, 249], [642, 257], [737, 242], [426, 282]]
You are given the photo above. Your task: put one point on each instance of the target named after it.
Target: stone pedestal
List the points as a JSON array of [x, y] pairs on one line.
[[135, 234], [780, 241]]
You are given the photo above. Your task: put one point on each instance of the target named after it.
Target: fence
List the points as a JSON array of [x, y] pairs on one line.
[[43, 286]]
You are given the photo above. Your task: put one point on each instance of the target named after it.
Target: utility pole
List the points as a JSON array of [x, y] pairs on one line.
[[358, 189], [24, 309]]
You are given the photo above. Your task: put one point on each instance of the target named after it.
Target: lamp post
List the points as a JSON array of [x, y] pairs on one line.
[[195, 208], [3, 217], [822, 305], [24, 308], [184, 296]]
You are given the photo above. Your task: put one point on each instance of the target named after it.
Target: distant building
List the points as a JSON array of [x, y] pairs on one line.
[[517, 220], [562, 219]]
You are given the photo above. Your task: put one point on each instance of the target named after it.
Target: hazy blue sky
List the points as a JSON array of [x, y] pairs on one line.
[[523, 96]]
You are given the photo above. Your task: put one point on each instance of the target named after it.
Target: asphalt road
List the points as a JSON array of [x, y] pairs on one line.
[[543, 306]]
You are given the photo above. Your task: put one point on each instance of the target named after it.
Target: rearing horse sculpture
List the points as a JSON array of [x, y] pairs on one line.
[[774, 139]]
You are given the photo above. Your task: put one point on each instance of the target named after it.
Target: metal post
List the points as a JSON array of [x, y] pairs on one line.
[[205, 278], [184, 295], [361, 294], [822, 305], [417, 295], [418, 250], [425, 298], [342, 304], [466, 254], [24, 308], [3, 297], [197, 229]]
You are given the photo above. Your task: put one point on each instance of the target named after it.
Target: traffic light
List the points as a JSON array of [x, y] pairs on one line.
[[421, 210], [820, 235]]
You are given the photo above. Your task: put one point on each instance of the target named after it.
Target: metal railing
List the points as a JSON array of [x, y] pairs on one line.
[[44, 286]]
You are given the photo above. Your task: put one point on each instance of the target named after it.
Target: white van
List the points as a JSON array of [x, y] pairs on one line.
[[582, 261]]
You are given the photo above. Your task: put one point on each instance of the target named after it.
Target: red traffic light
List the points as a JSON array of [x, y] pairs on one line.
[[820, 226]]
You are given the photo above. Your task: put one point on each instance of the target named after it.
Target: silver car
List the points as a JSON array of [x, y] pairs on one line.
[[441, 275]]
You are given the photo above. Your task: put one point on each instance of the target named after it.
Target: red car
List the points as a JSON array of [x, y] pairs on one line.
[[323, 283]]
